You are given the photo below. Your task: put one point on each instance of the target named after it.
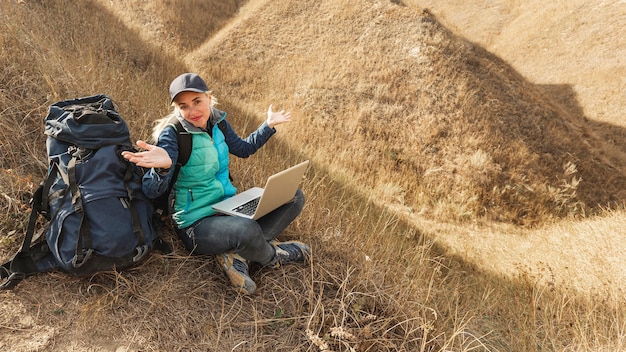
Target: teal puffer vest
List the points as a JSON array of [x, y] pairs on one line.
[[204, 180]]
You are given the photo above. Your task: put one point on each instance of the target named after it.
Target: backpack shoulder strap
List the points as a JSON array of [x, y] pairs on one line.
[[222, 126], [184, 144], [183, 138], [25, 261]]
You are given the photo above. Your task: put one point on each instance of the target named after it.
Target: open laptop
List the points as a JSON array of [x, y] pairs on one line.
[[256, 202]]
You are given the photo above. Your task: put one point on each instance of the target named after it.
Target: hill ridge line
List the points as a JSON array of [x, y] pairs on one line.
[[244, 13]]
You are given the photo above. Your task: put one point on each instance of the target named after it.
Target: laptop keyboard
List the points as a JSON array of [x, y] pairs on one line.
[[248, 208]]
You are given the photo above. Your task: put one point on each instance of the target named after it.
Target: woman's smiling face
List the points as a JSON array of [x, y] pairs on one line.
[[194, 107]]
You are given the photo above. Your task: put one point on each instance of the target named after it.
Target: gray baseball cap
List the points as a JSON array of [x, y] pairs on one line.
[[187, 82]]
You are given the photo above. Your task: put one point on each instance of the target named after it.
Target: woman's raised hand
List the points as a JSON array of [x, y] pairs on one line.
[[152, 156], [275, 118]]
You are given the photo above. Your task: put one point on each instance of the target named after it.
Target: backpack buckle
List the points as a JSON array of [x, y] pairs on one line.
[[79, 153], [12, 281], [141, 252], [80, 259]]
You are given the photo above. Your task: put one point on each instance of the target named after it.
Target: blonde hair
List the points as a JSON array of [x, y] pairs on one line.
[[160, 124]]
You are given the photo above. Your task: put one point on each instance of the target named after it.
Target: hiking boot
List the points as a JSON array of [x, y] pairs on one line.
[[236, 268], [289, 252]]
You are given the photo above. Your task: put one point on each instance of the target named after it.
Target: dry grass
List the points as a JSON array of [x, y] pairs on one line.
[[456, 132], [584, 56], [415, 135]]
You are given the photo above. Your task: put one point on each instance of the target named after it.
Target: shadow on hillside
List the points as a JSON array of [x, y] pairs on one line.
[[601, 136], [609, 138], [192, 30], [605, 140], [549, 121], [566, 99]]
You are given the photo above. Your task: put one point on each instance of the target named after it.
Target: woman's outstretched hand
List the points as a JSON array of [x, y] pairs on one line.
[[152, 156], [275, 118]]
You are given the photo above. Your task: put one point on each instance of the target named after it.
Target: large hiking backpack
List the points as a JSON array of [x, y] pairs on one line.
[[97, 217]]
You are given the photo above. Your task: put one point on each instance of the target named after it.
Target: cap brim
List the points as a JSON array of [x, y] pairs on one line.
[[186, 90]]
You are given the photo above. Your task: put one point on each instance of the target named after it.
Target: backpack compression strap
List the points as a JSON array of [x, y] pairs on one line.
[[142, 248], [83, 244]]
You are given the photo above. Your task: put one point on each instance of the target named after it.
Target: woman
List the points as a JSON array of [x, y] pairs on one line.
[[204, 181]]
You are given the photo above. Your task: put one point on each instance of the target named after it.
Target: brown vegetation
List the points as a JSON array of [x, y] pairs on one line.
[[421, 117], [403, 120]]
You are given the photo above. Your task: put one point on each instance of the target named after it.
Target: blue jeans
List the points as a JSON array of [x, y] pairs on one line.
[[249, 238]]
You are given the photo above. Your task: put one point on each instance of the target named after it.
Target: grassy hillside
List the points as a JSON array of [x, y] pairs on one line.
[[418, 117], [563, 42], [402, 120]]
